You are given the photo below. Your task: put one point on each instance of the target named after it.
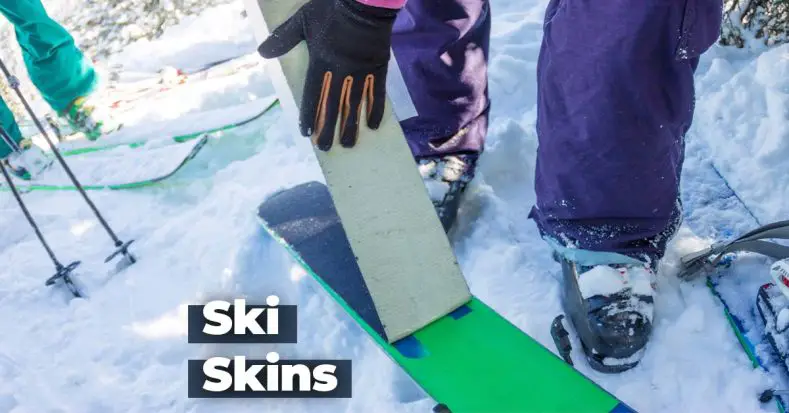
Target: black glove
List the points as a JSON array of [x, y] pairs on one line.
[[348, 43]]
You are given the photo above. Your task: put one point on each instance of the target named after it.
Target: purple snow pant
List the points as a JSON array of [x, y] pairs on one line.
[[441, 47], [615, 99]]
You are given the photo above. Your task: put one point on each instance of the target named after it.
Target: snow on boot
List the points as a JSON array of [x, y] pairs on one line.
[[446, 178], [28, 162], [89, 118], [611, 308]]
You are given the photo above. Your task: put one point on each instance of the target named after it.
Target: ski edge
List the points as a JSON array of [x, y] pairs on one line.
[[121, 186]]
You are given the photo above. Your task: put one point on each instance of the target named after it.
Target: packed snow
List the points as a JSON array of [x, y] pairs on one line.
[[743, 116], [124, 349]]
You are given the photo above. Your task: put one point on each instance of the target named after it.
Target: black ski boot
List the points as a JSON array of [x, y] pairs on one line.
[[446, 178], [611, 308]]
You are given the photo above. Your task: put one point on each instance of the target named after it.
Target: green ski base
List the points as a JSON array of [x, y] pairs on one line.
[[471, 360]]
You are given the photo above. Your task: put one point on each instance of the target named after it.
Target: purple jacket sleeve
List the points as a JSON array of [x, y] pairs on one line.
[[387, 4]]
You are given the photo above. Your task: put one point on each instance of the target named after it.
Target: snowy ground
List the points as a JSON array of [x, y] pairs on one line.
[[125, 350]]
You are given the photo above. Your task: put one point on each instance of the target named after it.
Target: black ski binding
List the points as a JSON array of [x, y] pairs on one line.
[[64, 274]]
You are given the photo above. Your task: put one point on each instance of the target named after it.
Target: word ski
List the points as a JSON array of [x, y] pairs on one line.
[[225, 322], [242, 320]]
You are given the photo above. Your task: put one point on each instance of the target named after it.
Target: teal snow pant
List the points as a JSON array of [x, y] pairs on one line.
[[55, 65]]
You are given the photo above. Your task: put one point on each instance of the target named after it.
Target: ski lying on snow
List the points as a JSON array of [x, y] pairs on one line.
[[123, 168], [471, 359], [124, 93], [132, 79], [182, 129], [148, 84]]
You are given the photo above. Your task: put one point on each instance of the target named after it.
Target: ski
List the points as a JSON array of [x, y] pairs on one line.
[[119, 169], [183, 129], [122, 78], [469, 360], [126, 87], [197, 123], [121, 93]]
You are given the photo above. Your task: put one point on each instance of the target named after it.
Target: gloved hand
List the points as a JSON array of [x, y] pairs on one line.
[[348, 44]]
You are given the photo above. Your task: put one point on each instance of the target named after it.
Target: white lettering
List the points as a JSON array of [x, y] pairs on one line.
[[211, 368], [243, 377], [246, 320], [211, 312]]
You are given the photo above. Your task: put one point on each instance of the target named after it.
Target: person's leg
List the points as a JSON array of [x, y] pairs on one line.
[[441, 47], [615, 99], [9, 125], [59, 70], [54, 63]]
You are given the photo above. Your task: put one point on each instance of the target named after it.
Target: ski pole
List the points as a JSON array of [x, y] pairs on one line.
[[61, 272], [121, 247], [8, 141]]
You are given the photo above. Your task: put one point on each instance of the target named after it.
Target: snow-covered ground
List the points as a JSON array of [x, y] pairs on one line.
[[125, 349]]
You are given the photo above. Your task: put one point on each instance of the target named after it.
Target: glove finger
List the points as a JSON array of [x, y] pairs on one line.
[[350, 111], [327, 110], [375, 98], [311, 99], [283, 38]]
